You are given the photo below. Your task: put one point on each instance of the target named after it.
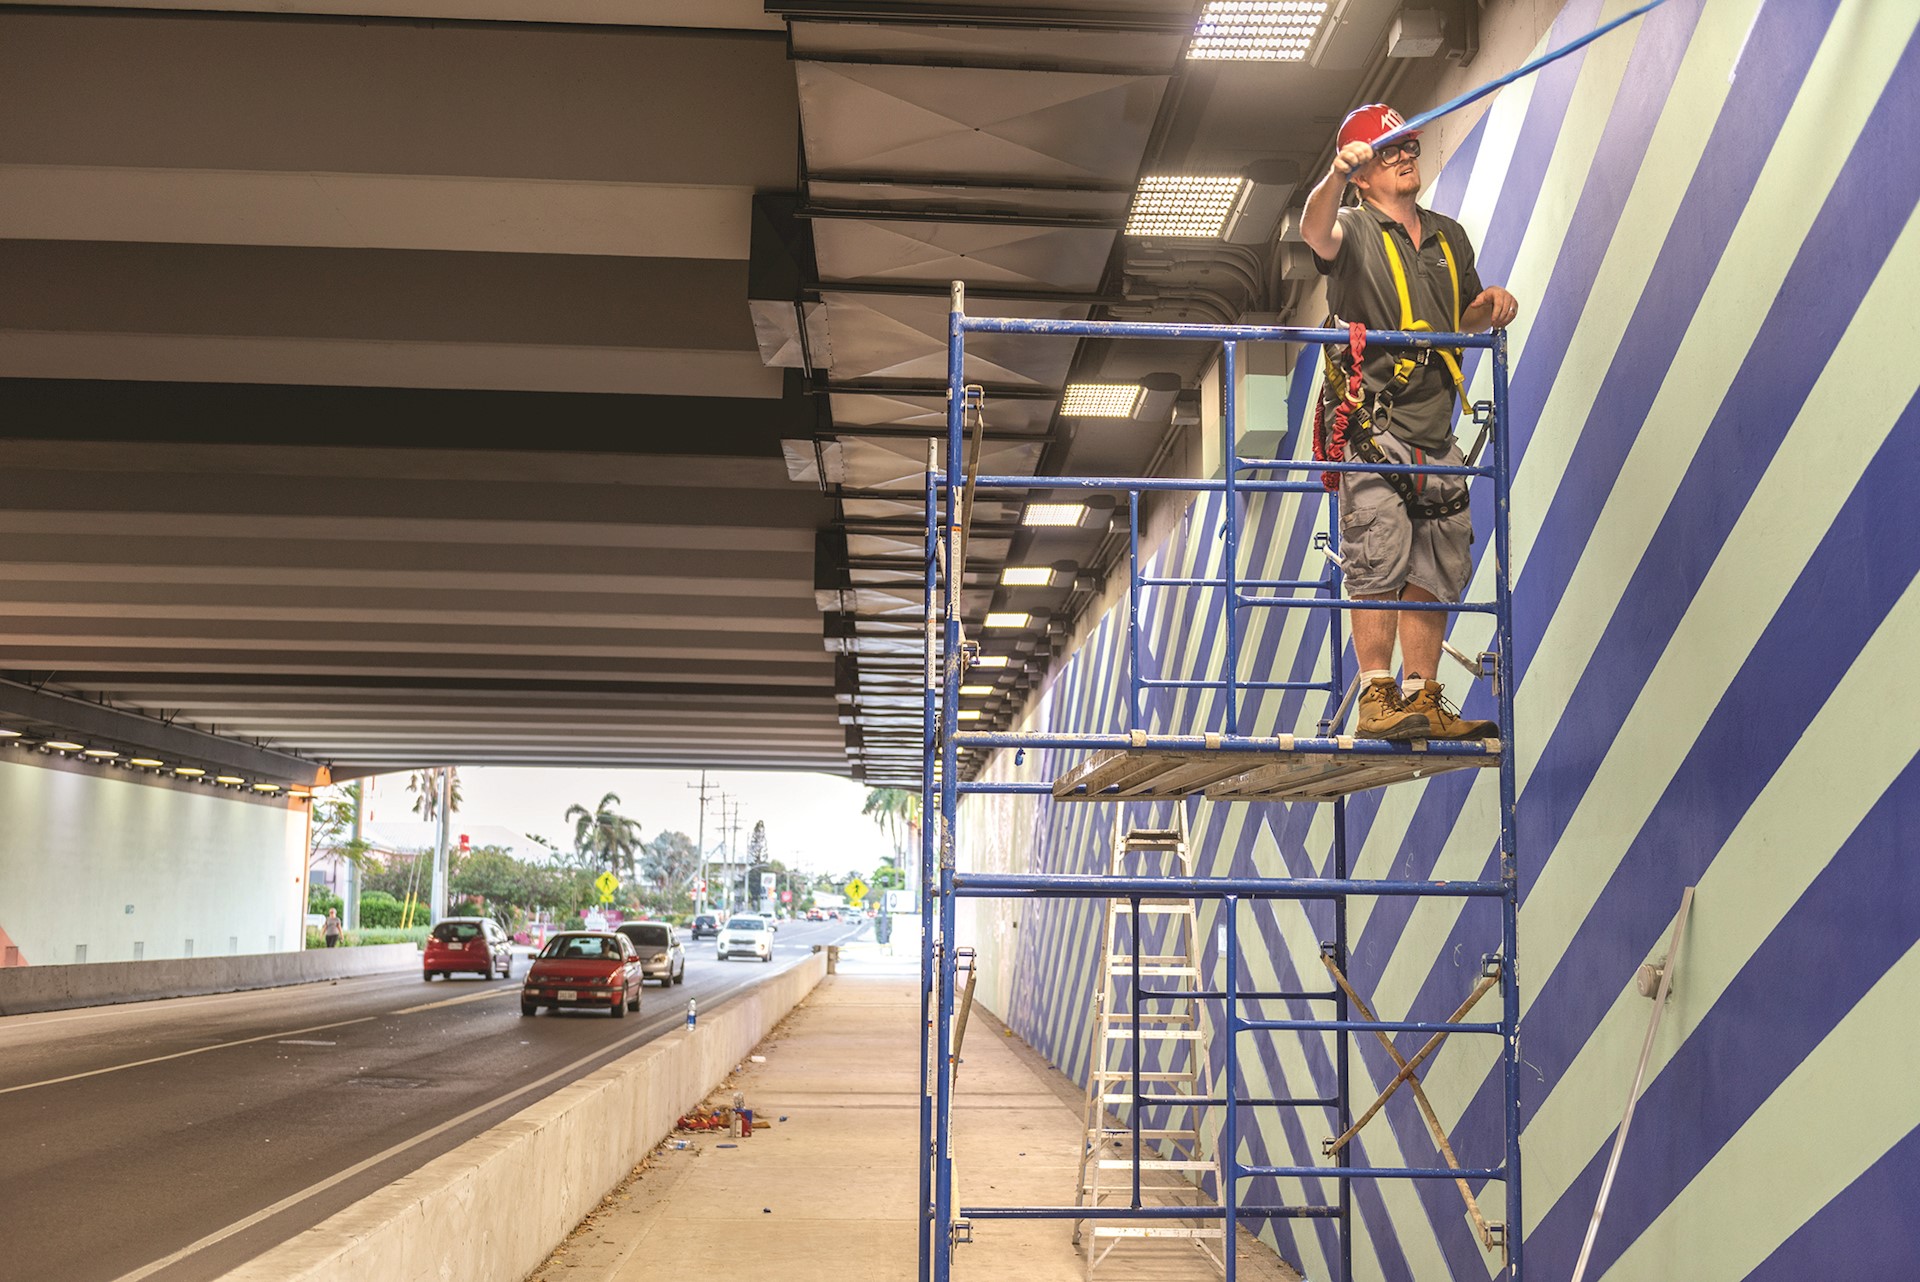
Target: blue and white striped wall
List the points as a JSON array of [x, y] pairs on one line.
[[1709, 219]]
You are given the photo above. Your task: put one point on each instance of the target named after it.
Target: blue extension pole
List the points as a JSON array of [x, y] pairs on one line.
[[1525, 69]]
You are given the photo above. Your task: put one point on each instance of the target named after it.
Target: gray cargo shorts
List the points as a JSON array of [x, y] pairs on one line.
[[1385, 548]]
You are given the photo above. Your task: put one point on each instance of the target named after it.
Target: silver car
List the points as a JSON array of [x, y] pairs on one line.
[[745, 936], [661, 955]]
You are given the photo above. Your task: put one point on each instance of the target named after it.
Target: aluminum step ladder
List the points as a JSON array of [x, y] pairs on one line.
[[1153, 1043]]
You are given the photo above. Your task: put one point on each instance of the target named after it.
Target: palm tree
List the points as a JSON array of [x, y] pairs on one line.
[[606, 834], [425, 787], [897, 811]]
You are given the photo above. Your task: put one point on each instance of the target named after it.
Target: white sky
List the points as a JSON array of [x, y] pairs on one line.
[[813, 820]]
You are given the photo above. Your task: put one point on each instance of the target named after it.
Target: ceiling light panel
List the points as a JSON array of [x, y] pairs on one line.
[[989, 661], [1101, 400], [1008, 619], [1194, 205], [1026, 576], [1257, 30], [1059, 514]]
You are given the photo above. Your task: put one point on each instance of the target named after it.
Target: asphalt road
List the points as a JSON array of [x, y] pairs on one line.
[[173, 1140]]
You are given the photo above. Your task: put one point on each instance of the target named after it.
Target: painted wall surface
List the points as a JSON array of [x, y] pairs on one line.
[[78, 849], [1709, 220]]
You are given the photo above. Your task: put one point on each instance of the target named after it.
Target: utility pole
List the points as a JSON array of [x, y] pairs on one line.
[[437, 901], [731, 825], [700, 841], [351, 873]]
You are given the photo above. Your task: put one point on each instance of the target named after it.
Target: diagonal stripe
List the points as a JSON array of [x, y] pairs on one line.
[[1727, 1221]]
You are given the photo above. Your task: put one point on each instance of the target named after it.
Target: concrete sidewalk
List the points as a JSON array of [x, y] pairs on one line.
[[828, 1191]]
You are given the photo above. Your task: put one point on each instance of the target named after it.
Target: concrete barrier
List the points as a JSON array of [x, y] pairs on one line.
[[32, 988], [494, 1208]]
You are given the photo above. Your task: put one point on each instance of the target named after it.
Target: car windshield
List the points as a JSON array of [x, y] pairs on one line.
[[746, 923], [456, 931], [649, 936], [703, 920], [581, 946]]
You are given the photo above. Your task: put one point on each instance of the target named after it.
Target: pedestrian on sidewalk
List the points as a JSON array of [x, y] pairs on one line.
[[332, 928]]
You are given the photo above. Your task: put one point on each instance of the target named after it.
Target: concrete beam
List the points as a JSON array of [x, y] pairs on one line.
[[23, 706]]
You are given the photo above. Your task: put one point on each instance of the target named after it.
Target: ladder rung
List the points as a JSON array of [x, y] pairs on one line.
[[1154, 1034], [1100, 1135], [1099, 1231], [1157, 971], [1180, 1102], [1157, 1164], [1126, 1074]]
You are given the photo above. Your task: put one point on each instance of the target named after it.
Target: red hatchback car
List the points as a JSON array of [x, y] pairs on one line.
[[592, 969], [472, 944]]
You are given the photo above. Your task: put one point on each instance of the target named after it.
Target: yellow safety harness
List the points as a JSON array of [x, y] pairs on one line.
[[1346, 428], [1408, 361]]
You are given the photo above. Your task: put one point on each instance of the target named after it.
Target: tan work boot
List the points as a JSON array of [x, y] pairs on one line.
[[1384, 713], [1440, 719]]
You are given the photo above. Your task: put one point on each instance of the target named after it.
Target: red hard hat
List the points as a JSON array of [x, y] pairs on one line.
[[1364, 124]]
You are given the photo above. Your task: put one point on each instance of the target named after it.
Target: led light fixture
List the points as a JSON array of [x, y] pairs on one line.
[[146, 763], [1053, 514], [189, 772], [1257, 30], [970, 714], [1194, 205], [1102, 400], [1026, 576], [266, 787], [8, 734], [100, 754], [1008, 619], [974, 691], [62, 745], [232, 779], [990, 661]]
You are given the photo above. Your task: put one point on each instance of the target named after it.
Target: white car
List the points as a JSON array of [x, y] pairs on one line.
[[744, 936]]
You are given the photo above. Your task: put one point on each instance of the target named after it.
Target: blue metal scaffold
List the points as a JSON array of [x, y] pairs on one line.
[[1227, 764]]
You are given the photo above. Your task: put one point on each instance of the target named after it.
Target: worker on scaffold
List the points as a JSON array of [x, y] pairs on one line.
[[1391, 264]]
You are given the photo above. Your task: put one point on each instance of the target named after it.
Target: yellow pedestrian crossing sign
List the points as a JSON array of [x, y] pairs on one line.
[[606, 883], [856, 891]]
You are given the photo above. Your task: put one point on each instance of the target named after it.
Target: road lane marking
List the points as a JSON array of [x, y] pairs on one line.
[[198, 1050], [244, 1041], [27, 1021], [455, 1001], [654, 1027], [659, 1024]]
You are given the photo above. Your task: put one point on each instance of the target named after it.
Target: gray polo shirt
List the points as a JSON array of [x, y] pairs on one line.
[[1360, 288]]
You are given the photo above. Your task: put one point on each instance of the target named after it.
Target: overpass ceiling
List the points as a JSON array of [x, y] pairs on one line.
[[391, 382]]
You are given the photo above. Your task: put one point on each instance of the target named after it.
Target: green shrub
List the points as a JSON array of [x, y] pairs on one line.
[[320, 899], [379, 910], [392, 935], [416, 935]]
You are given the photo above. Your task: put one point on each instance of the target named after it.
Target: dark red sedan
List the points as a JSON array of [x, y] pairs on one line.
[[585, 969], [473, 944]]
